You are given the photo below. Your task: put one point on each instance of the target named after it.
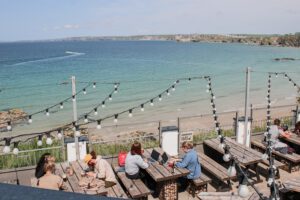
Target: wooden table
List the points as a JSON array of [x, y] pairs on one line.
[[294, 140], [292, 185], [164, 176], [245, 156]]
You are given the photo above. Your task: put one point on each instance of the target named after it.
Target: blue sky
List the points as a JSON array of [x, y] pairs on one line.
[[49, 19]]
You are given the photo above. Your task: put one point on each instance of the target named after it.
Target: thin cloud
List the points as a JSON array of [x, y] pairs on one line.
[[71, 26]]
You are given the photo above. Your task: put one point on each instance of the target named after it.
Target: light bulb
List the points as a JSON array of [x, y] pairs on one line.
[[15, 151], [116, 85], [110, 98], [116, 90], [94, 85], [59, 136], [29, 119], [214, 97], [243, 191], [98, 126], [6, 149], [47, 112], [49, 141], [207, 86], [221, 145], [103, 104], [39, 143], [151, 102], [142, 108], [61, 106], [95, 113], [270, 181], [8, 127], [84, 91], [168, 93], [264, 156], [231, 171], [159, 98], [86, 119], [226, 157], [116, 118], [130, 113], [77, 133], [173, 88], [207, 90], [73, 98]]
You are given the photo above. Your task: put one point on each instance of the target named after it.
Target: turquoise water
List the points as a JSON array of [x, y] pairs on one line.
[[30, 74]]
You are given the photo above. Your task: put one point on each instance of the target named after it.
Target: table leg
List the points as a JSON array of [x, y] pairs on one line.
[[168, 190], [257, 173]]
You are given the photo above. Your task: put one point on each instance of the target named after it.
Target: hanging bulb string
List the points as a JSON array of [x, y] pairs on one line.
[[68, 125], [48, 108], [292, 81], [100, 104]]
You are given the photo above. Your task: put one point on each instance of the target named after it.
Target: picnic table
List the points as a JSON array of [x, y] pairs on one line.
[[164, 176], [294, 140], [245, 156], [292, 185]]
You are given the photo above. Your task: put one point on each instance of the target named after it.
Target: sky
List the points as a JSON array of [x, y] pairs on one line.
[[51, 19]]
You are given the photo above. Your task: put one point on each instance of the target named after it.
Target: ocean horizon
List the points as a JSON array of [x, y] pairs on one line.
[[34, 76]]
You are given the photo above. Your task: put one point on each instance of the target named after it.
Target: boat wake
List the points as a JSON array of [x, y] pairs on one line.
[[69, 55]]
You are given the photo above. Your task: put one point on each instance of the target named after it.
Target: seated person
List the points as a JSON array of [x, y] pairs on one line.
[[297, 128], [276, 131], [191, 162], [134, 161], [285, 133], [101, 169], [39, 170], [49, 180]]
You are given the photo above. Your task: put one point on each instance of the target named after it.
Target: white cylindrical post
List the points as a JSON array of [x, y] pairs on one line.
[[246, 129], [75, 115]]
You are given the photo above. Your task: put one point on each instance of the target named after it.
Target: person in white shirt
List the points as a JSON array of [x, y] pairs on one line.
[[134, 161]]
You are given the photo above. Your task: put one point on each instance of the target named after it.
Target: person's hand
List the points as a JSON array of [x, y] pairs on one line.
[[91, 174]]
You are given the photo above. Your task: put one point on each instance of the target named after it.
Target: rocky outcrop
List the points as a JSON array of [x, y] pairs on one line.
[[15, 115]]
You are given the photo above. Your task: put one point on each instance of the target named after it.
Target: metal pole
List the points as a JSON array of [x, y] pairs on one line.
[[246, 106], [159, 133], [236, 123], [75, 115], [178, 138]]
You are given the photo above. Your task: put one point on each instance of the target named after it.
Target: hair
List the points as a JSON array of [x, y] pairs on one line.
[[39, 170], [49, 166], [277, 122], [93, 154], [136, 148], [188, 145]]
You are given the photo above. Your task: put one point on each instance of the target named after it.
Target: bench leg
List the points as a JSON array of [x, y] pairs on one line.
[[257, 173]]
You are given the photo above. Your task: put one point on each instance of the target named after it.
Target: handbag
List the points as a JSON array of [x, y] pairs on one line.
[[121, 158]]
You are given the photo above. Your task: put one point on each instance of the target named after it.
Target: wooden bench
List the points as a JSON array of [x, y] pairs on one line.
[[225, 196], [135, 187], [199, 184], [215, 169], [292, 160]]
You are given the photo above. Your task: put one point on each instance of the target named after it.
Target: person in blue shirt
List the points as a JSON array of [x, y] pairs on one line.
[[191, 162]]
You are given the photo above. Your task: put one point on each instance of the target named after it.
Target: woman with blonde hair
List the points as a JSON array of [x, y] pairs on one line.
[[50, 180]]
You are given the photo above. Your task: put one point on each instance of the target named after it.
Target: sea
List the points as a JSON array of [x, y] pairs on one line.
[[37, 75]]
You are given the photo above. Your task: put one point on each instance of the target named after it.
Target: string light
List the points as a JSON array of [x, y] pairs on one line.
[[40, 141], [151, 102], [173, 88], [103, 104], [61, 105], [231, 170], [110, 98], [116, 118], [98, 124], [77, 131], [6, 148], [15, 150], [226, 156], [73, 98], [94, 85], [29, 119], [142, 107], [47, 112], [59, 134], [95, 111], [159, 97], [49, 139], [116, 85], [116, 90], [130, 113], [84, 91], [168, 93], [8, 127], [86, 119], [243, 190]]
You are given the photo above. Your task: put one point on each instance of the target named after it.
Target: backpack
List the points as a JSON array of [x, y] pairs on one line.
[[121, 158]]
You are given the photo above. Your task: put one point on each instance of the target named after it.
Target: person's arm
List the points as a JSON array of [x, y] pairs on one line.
[[185, 161], [141, 163]]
